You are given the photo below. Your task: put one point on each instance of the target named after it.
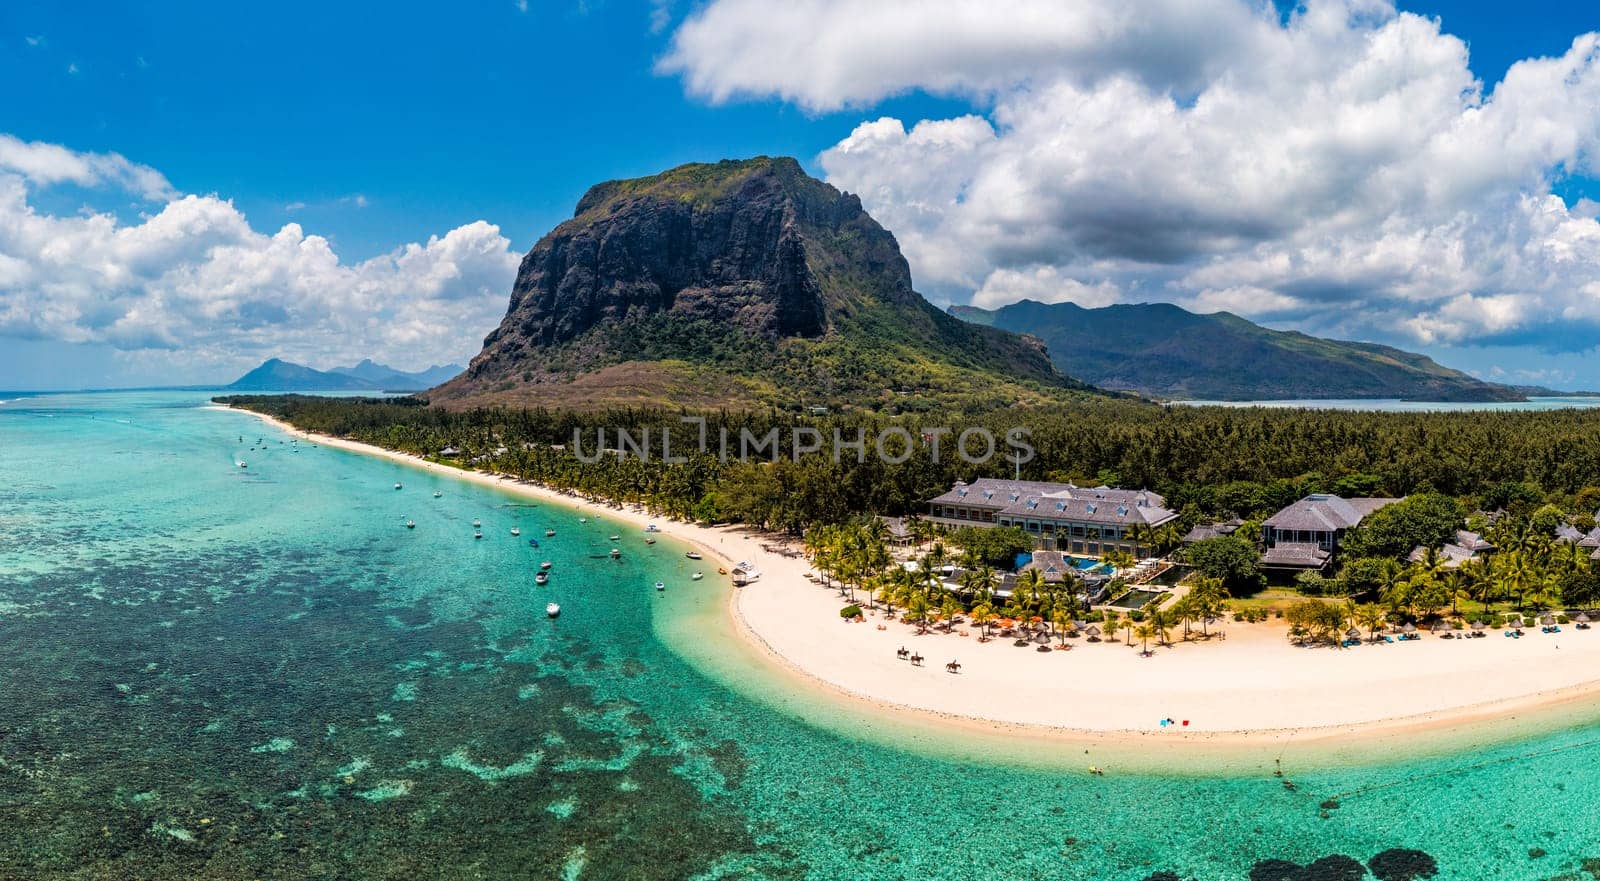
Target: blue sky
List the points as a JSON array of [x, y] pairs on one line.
[[373, 130], [437, 117]]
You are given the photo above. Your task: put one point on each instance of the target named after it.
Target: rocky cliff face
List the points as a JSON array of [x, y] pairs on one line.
[[751, 270]]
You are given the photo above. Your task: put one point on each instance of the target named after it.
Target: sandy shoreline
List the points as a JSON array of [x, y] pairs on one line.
[[1252, 695]]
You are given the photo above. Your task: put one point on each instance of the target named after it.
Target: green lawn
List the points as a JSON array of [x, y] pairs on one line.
[[1273, 599]]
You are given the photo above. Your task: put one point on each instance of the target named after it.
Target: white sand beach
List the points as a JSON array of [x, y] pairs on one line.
[[1251, 687]]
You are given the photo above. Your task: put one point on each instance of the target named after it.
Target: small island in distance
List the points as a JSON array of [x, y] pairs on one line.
[[275, 374]]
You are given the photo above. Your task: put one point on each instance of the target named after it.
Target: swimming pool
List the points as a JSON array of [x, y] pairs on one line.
[[1089, 564], [1136, 598], [1082, 564]]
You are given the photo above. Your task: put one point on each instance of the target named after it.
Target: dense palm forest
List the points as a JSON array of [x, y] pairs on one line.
[[1207, 461], [1536, 470]]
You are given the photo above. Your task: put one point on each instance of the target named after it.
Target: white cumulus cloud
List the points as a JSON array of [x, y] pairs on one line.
[[192, 283], [46, 164], [1342, 168], [828, 54]]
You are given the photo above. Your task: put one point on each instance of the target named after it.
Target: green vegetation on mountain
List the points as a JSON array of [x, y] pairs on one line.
[[1165, 351], [739, 283]]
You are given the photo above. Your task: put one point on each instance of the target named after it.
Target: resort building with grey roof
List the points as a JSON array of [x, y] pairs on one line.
[[1305, 534], [1060, 516]]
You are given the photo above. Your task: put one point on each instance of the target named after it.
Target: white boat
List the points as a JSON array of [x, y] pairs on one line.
[[697, 576], [549, 533], [552, 610], [411, 524], [515, 531], [616, 538], [243, 465], [583, 519], [615, 553], [437, 494], [476, 523], [478, 534], [397, 486], [744, 573], [649, 541], [661, 585], [545, 566], [694, 555], [542, 578]]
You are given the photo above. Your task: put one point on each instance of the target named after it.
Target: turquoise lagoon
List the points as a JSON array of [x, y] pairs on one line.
[[214, 672]]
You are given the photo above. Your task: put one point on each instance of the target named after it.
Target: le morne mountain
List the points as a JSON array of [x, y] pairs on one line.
[[739, 283], [1164, 351], [286, 376]]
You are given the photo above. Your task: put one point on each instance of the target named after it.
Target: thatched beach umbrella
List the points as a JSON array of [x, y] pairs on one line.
[[1547, 620], [1352, 633], [1583, 618], [1478, 625], [1440, 627], [1093, 631], [1409, 628]]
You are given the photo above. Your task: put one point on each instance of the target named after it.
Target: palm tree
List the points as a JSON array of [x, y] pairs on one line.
[[1160, 621], [1167, 537], [1455, 582], [886, 590], [1119, 559], [1113, 623], [1392, 587], [1146, 631], [917, 612], [1183, 611], [983, 615], [1370, 616], [1518, 575], [1142, 536], [951, 607], [1479, 580], [1208, 599], [1061, 618], [976, 582], [1545, 590]]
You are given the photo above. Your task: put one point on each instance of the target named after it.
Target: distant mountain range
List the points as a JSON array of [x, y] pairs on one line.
[[737, 284], [1165, 351], [278, 375]]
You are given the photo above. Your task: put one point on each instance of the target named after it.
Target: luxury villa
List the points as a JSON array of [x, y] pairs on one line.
[[1305, 534], [1060, 516]]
